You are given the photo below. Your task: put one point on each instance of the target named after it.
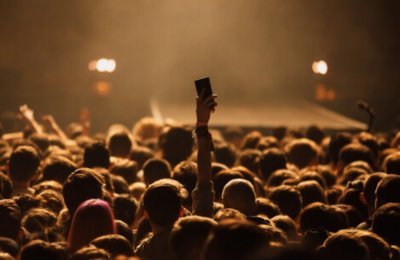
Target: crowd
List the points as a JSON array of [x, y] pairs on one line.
[[166, 191]]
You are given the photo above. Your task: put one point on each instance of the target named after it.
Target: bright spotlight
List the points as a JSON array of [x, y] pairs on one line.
[[103, 65], [320, 67]]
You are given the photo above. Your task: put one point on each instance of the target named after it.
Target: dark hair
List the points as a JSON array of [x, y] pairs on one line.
[[9, 245], [125, 208], [189, 235], [287, 225], [344, 246], [238, 240], [251, 140], [156, 169], [120, 185], [320, 216], [120, 143], [96, 155], [39, 220], [176, 144], [40, 140], [225, 153], [315, 134], [311, 191], [249, 159], [140, 154], [127, 169], [266, 207], [162, 201], [391, 163], [388, 190], [87, 182], [271, 160], [370, 186], [124, 230], [39, 249], [91, 252], [337, 142], [279, 176], [302, 152], [186, 173], [114, 244], [51, 200], [23, 163], [288, 200], [5, 186], [356, 152], [386, 223], [58, 168]]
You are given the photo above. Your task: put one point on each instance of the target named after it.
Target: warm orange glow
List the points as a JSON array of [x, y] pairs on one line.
[[103, 88], [320, 67], [103, 65]]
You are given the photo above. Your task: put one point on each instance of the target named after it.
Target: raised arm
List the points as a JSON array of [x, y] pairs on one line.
[[49, 119], [28, 115], [203, 194]]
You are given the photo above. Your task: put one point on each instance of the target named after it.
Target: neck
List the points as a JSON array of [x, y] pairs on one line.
[[20, 184], [157, 229]]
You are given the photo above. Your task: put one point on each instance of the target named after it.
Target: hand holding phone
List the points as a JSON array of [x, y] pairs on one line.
[[203, 84]]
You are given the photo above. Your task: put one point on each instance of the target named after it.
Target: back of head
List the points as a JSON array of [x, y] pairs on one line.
[[344, 246], [222, 178], [225, 153], [388, 190], [249, 159], [287, 225], [41, 140], [39, 249], [176, 144], [318, 216], [370, 186], [10, 219], [239, 194], [96, 155], [87, 182], [238, 240], [189, 235], [125, 208], [337, 142], [356, 152], [302, 152], [23, 163], [288, 200], [114, 244], [162, 201], [140, 154], [9, 246], [279, 176], [91, 252], [311, 191], [38, 220], [58, 168], [5, 186], [271, 160], [386, 223], [156, 169], [125, 168], [392, 163], [120, 143], [92, 219], [315, 133]]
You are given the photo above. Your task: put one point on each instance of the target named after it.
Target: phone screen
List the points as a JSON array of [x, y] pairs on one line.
[[203, 83]]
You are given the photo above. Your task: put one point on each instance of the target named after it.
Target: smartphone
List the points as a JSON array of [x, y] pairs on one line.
[[205, 84]]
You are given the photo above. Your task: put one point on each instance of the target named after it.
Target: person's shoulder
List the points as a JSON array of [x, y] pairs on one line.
[[144, 246]]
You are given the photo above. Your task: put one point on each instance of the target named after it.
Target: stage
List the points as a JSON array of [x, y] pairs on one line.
[[298, 113]]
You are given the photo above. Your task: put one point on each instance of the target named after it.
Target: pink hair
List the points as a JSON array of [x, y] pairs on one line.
[[92, 219]]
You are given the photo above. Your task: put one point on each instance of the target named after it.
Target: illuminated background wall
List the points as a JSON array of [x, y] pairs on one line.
[[252, 49]]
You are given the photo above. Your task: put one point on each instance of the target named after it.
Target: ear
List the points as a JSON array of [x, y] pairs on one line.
[[182, 212], [363, 199]]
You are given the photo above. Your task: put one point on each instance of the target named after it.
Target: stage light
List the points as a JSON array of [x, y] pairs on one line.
[[103, 65], [102, 88], [320, 67]]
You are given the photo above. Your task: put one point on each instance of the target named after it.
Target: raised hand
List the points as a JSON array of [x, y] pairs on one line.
[[205, 106]]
